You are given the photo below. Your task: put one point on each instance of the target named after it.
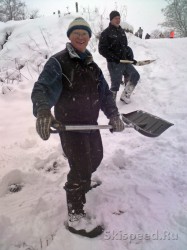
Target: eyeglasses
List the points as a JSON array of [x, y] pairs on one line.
[[78, 34]]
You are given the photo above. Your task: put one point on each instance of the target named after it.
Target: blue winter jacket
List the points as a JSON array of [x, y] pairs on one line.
[[48, 89]]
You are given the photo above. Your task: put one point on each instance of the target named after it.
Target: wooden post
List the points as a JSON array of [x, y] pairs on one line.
[[76, 6]]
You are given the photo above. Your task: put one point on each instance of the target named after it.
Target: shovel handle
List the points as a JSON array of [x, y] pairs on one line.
[[126, 61], [80, 127], [84, 127]]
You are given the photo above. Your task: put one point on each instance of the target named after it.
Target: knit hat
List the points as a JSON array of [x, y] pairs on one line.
[[79, 23], [113, 14]]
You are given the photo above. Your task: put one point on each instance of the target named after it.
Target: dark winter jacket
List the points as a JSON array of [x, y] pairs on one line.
[[147, 36], [113, 44], [75, 85]]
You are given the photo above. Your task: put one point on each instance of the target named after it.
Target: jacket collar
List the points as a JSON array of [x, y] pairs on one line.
[[74, 54], [114, 27]]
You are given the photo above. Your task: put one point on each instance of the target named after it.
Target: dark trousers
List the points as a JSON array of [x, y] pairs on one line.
[[118, 70], [84, 152]]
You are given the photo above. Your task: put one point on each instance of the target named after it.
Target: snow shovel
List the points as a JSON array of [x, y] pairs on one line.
[[139, 63], [143, 122]]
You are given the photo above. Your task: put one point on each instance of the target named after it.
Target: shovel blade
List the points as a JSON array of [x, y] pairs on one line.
[[145, 62], [145, 123], [139, 63]]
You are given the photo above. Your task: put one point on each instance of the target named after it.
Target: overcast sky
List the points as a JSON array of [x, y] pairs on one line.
[[144, 13]]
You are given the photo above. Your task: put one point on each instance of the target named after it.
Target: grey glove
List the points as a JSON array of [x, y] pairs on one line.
[[43, 123], [117, 124]]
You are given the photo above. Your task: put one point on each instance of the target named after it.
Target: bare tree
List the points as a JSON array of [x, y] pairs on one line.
[[12, 10], [123, 12], [166, 33], [33, 14], [176, 16], [155, 34]]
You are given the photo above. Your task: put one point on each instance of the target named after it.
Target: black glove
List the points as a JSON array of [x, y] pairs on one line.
[[43, 123], [116, 61], [117, 124], [134, 62]]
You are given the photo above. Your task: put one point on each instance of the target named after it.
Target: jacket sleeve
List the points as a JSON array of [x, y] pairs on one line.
[[48, 88], [104, 46], [129, 53], [108, 105]]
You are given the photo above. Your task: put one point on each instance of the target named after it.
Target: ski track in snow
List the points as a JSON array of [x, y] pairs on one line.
[[144, 183]]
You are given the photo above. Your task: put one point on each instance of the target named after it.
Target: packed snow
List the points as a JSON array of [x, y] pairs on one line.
[[142, 200]]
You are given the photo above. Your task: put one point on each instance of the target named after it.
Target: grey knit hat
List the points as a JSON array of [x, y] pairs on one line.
[[113, 14], [79, 23]]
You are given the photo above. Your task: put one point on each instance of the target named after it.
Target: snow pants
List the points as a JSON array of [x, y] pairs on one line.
[[84, 151], [118, 70]]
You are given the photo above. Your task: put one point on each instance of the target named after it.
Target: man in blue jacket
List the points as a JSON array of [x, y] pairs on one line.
[[74, 84], [113, 45]]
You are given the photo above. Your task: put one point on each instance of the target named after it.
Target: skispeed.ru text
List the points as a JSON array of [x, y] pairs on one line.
[[130, 237]]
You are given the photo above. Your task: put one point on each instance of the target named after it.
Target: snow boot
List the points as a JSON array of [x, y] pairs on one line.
[[85, 226], [95, 183], [89, 185], [125, 96], [78, 222]]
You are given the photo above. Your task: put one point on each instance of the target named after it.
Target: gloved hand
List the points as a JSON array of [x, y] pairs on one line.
[[134, 61], [117, 61], [43, 123], [117, 124]]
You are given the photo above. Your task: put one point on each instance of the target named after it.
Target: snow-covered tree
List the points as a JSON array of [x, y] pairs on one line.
[[155, 34], [12, 10], [176, 16], [16, 10], [32, 14]]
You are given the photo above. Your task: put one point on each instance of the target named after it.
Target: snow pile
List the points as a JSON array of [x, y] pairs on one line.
[[127, 26], [142, 200]]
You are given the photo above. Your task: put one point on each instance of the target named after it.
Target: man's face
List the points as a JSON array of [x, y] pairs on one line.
[[116, 21], [79, 39]]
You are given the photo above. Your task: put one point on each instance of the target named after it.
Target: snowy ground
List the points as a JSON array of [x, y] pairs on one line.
[[142, 200]]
